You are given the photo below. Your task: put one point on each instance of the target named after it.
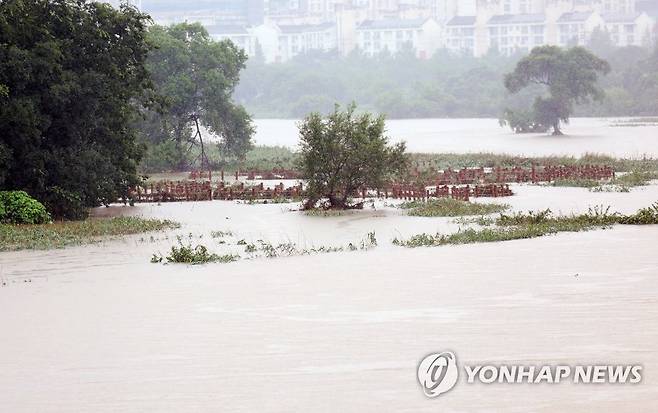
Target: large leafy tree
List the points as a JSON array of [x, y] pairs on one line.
[[194, 77], [345, 152], [570, 77], [72, 72]]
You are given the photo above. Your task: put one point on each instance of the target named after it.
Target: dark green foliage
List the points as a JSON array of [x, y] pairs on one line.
[[194, 76], [569, 77], [73, 71], [17, 207], [345, 153]]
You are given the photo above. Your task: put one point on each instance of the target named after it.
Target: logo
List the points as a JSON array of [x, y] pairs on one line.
[[438, 373]]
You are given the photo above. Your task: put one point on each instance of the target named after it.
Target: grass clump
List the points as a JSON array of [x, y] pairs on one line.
[[472, 236], [448, 207], [69, 233], [576, 183], [186, 254]]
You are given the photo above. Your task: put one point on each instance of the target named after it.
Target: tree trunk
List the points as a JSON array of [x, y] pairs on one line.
[[556, 129]]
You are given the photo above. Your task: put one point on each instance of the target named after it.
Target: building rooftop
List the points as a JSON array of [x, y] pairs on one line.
[[517, 19], [305, 28], [462, 21], [576, 16], [391, 24], [620, 17]]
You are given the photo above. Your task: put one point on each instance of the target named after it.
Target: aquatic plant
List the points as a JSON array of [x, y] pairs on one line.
[[186, 254]]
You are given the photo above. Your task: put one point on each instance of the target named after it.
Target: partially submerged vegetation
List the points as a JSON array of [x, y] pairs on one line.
[[424, 161], [621, 183], [448, 207], [186, 254], [533, 225], [68, 233]]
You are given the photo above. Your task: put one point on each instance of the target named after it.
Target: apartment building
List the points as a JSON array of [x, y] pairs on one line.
[[460, 36], [510, 33], [298, 39], [293, 27], [629, 29], [575, 28], [241, 36], [392, 35]]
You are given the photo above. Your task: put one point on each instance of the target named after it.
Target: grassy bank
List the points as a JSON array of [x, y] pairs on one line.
[[68, 233], [533, 225]]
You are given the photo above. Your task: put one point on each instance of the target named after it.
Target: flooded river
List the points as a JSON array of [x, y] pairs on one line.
[[101, 329], [582, 135]]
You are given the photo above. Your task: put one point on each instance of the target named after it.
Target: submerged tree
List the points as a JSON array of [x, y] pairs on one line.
[[72, 72], [194, 77], [570, 77], [344, 153]]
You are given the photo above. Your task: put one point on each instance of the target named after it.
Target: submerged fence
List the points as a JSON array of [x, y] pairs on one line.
[[460, 184]]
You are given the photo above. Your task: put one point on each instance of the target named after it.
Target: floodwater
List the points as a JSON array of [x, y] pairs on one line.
[[582, 135], [100, 329]]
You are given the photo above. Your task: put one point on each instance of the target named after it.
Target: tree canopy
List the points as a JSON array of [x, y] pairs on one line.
[[344, 153], [72, 73], [194, 79], [570, 77]]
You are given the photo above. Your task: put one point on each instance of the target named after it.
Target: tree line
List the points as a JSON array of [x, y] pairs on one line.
[[88, 90], [447, 85]]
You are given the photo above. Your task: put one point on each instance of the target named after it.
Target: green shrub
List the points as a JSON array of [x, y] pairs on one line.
[[186, 254], [20, 208]]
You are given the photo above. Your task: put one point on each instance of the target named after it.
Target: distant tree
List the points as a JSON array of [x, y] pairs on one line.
[[195, 77], [73, 72], [346, 152], [569, 75]]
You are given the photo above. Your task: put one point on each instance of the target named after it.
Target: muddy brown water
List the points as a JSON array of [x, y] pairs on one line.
[[99, 328]]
